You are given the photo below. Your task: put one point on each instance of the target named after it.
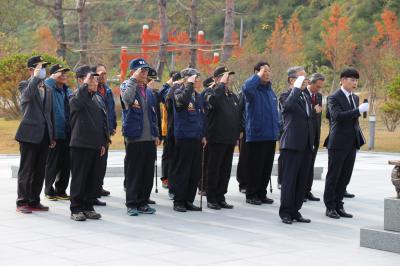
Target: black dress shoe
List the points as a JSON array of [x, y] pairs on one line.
[[348, 195], [180, 208], [105, 193], [287, 220], [191, 207], [98, 202], [301, 219], [149, 201], [332, 214], [267, 200], [225, 205], [343, 213], [213, 205], [311, 197], [254, 201]]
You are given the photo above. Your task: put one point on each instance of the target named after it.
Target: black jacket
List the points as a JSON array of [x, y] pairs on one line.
[[297, 125], [316, 119], [88, 121], [223, 119], [344, 130]]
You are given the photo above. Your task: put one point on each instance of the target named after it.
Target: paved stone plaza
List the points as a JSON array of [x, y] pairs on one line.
[[246, 235]]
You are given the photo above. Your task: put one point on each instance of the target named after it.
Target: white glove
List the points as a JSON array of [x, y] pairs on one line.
[[363, 107], [299, 82]]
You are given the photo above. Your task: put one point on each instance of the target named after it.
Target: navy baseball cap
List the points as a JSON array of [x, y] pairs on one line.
[[58, 68], [187, 72], [82, 71], [138, 63]]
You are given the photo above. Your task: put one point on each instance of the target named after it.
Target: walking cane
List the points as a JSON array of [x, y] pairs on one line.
[[202, 180], [156, 190], [270, 184]]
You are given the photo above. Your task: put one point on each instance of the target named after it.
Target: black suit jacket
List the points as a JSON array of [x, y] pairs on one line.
[[316, 119], [344, 128], [297, 125]]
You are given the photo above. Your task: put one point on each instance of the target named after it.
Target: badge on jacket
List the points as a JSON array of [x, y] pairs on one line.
[[191, 107], [136, 104]]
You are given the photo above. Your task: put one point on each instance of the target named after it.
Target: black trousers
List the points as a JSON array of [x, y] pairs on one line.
[[280, 168], [57, 169], [259, 167], [242, 169], [340, 169], [205, 170], [296, 165], [31, 171], [219, 170], [167, 156], [140, 159], [85, 178], [310, 176], [186, 171]]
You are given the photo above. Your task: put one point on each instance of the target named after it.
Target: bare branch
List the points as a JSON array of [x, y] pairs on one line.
[[182, 5]]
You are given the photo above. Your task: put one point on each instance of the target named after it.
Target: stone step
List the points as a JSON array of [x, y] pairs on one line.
[[378, 238]]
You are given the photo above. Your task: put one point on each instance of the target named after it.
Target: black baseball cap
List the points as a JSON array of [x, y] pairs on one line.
[[82, 71], [187, 72], [208, 82], [220, 71], [152, 74], [58, 68], [33, 61]]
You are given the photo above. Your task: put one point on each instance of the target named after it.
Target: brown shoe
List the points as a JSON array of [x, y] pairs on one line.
[[38, 208], [23, 209]]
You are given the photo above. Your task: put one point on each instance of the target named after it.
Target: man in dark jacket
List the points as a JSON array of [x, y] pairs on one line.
[[189, 141], [35, 135], [106, 98], [223, 127], [316, 83], [57, 163], [296, 145], [262, 132], [345, 138], [89, 139], [141, 135]]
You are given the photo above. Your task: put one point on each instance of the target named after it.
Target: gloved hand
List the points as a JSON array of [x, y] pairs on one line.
[[299, 82], [363, 107]]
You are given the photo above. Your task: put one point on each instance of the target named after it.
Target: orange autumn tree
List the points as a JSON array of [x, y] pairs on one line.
[[293, 41], [46, 43], [338, 42], [276, 54], [388, 31]]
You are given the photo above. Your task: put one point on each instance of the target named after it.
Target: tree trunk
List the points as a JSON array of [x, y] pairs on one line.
[[58, 12], [82, 29], [193, 32], [228, 30], [162, 54]]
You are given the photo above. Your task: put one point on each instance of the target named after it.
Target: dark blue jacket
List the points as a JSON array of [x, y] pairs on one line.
[[60, 109], [132, 125], [188, 113], [108, 103], [261, 109]]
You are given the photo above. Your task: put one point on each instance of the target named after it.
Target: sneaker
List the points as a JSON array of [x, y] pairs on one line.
[[164, 183], [132, 212], [78, 216], [93, 215], [105, 193], [62, 196], [23, 209], [51, 198], [254, 201], [38, 208], [146, 209], [180, 208]]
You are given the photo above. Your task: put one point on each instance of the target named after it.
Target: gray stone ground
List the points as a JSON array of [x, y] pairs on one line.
[[246, 235]]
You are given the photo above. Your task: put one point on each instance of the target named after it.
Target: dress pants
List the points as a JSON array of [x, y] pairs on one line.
[[31, 171], [259, 167], [242, 169], [340, 169], [85, 178], [219, 170], [140, 159], [296, 165], [310, 176], [186, 171], [57, 169]]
